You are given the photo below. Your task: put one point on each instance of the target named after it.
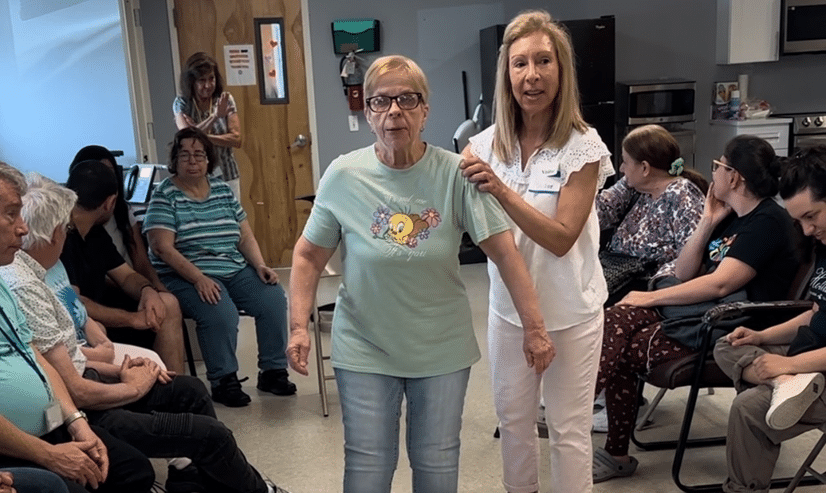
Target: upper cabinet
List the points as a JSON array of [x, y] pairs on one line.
[[748, 31]]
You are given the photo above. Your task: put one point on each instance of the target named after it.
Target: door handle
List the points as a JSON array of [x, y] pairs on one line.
[[300, 141]]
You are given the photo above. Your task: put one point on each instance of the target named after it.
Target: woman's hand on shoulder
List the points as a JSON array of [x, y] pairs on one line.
[[267, 274], [539, 349], [480, 172], [208, 290]]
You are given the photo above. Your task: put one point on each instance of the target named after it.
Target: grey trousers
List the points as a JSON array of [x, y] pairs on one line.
[[752, 447]]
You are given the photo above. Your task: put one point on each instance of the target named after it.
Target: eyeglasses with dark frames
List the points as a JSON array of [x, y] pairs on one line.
[[406, 101], [197, 156]]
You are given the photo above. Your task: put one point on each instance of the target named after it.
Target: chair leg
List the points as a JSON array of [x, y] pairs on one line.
[[190, 358], [319, 358], [807, 466], [643, 422]]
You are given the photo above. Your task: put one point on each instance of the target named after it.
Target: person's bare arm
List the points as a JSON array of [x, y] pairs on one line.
[[140, 259], [308, 263], [556, 234], [538, 347]]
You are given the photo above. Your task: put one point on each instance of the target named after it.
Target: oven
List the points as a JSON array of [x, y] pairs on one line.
[[807, 130]]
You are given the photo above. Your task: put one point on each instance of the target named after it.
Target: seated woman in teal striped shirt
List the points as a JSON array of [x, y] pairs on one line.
[[203, 248]]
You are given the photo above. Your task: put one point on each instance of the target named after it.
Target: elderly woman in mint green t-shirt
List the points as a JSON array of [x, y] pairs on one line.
[[402, 326], [204, 251]]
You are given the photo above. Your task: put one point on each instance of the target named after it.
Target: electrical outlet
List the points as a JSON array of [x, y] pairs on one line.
[[354, 123]]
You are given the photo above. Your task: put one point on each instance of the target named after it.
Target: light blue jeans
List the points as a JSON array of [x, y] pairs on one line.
[[217, 325], [370, 410]]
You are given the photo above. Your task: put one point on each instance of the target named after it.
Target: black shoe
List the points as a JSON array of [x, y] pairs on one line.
[[186, 480], [275, 381], [228, 392]]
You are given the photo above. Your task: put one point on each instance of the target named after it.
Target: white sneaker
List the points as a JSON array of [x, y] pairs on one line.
[[792, 398], [600, 419]]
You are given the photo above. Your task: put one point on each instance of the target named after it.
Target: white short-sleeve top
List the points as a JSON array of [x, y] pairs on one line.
[[571, 288]]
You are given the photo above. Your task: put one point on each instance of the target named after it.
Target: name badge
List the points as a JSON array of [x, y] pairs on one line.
[[545, 181], [54, 416]]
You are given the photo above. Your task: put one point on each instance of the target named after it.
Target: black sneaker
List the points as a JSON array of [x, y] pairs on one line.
[[186, 480], [275, 381], [228, 392]]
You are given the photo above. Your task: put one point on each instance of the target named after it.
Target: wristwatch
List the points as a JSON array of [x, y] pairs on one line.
[[74, 417]]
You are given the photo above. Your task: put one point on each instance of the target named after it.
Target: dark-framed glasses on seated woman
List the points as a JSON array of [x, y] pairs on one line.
[[197, 156], [406, 101]]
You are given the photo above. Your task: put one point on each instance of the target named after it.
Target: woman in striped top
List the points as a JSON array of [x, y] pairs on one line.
[[204, 251]]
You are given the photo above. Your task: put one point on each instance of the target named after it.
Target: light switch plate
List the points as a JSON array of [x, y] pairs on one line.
[[354, 123]]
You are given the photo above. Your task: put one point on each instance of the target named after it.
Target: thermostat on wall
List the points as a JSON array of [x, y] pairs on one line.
[[358, 35]]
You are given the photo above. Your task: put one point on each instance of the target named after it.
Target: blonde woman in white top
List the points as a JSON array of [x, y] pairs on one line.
[[544, 165]]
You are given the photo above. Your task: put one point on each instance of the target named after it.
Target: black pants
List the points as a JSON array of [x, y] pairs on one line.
[[178, 420], [129, 470]]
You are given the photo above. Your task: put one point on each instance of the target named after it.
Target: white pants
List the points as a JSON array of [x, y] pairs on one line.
[[122, 350], [568, 391]]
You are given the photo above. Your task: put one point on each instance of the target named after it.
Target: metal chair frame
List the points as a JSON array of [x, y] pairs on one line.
[[728, 316]]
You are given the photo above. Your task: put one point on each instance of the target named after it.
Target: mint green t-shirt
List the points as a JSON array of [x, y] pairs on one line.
[[402, 309], [25, 396]]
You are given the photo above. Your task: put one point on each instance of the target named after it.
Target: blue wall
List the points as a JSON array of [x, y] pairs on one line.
[[63, 83]]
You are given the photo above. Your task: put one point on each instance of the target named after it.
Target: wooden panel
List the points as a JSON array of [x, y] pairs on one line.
[[272, 174]]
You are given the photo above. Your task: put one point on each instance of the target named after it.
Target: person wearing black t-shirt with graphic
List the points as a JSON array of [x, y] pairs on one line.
[[778, 371], [744, 247]]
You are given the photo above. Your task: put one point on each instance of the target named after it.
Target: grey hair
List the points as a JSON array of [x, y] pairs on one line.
[[46, 206], [13, 177]]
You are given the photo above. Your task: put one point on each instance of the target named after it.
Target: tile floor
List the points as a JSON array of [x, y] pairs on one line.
[[289, 440]]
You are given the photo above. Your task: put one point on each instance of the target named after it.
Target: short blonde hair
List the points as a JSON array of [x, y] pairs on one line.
[[391, 63], [565, 108]]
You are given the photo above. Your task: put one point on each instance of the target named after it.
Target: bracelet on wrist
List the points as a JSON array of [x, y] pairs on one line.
[[74, 417], [148, 286]]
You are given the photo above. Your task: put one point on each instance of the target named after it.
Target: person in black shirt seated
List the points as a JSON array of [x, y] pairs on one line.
[[778, 372], [743, 248], [146, 317]]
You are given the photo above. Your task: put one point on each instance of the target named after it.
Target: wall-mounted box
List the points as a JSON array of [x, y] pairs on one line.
[[358, 35]]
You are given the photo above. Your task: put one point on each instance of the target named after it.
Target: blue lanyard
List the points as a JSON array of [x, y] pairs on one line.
[[20, 349]]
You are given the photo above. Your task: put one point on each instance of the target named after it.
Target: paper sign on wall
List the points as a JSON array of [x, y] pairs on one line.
[[239, 65]]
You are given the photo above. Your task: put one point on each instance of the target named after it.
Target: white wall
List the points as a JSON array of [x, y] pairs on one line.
[[63, 83]]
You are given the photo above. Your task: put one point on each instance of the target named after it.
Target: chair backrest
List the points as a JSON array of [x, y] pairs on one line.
[[799, 288]]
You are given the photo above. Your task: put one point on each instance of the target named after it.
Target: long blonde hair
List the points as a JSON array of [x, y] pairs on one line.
[[566, 115]]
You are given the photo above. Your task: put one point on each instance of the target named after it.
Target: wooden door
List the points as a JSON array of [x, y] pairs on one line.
[[273, 173]]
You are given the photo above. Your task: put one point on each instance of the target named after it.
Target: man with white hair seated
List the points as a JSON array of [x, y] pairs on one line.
[[160, 414]]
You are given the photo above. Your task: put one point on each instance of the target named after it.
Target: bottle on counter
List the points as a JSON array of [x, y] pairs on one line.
[[734, 106]]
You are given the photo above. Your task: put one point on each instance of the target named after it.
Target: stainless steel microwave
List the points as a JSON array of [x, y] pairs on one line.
[[804, 26], [655, 101]]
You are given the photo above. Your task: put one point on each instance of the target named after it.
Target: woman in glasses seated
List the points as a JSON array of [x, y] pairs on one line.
[[402, 326], [205, 253], [745, 243]]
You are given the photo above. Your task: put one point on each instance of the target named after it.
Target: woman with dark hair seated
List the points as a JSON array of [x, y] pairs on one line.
[[744, 243], [778, 371], [653, 209], [205, 252]]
